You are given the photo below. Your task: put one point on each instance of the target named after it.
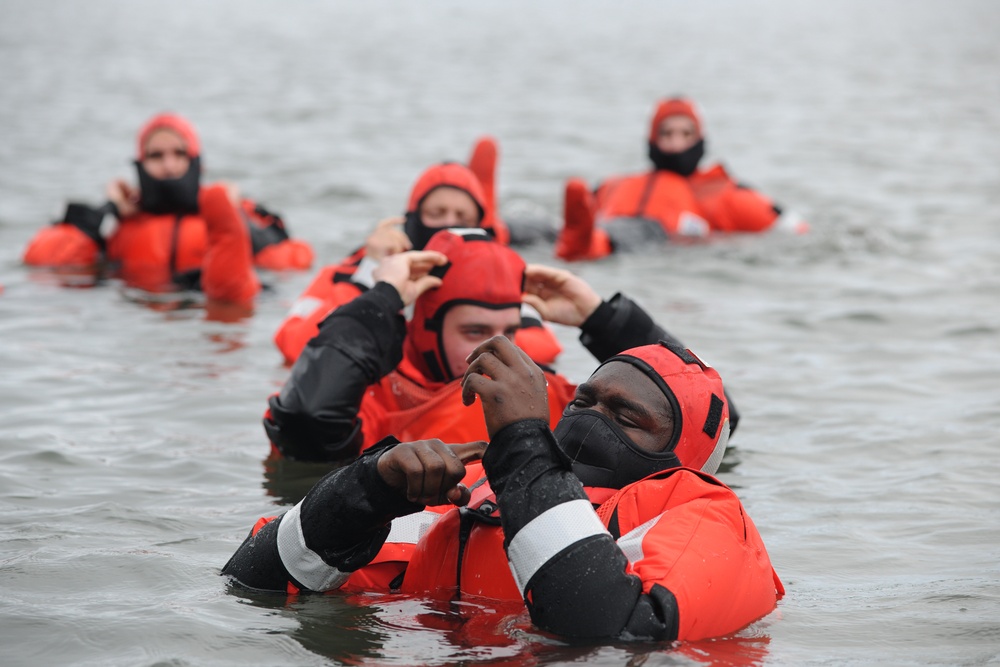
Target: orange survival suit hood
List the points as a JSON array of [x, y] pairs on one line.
[[602, 455], [685, 162], [169, 195], [174, 123], [446, 174], [479, 272]]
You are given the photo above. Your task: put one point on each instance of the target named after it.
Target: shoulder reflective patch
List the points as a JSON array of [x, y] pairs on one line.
[[304, 307], [304, 564], [549, 533], [410, 528], [631, 542]]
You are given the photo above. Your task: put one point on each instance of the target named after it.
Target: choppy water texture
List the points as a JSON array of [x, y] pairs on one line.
[[864, 356]]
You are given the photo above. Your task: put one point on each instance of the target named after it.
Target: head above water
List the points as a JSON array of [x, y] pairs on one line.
[[168, 161], [445, 195], [647, 409], [479, 297], [676, 139]]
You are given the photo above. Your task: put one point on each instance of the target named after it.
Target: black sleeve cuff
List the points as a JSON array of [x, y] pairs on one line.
[[617, 325], [345, 517], [529, 474]]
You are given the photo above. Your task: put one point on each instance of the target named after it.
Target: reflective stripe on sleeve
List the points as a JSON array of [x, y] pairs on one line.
[[304, 307], [549, 533], [410, 528], [305, 565]]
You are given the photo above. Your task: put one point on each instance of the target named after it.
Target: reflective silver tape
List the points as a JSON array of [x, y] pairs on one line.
[[715, 460], [549, 533], [304, 307], [410, 528], [631, 542], [304, 564], [363, 274]]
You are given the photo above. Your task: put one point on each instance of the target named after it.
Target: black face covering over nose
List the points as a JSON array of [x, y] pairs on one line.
[[417, 231], [170, 195], [683, 163], [602, 454]]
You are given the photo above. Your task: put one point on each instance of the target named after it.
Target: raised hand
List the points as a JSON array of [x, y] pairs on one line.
[[429, 472], [558, 295], [509, 384], [408, 272], [123, 196], [388, 238]]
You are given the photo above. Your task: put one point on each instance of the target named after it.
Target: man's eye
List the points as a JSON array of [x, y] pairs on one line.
[[154, 155], [625, 421]]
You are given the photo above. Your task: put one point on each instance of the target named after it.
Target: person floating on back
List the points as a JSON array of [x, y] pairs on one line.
[[173, 232], [676, 199]]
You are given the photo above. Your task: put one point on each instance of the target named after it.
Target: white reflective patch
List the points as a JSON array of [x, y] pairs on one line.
[[715, 460], [549, 533], [304, 307], [410, 528], [363, 275], [690, 224], [631, 542], [304, 564], [790, 222], [529, 312], [468, 231]]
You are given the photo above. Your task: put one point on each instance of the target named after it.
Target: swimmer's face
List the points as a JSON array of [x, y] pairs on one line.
[[449, 207], [629, 398], [165, 155], [466, 326], [677, 134]]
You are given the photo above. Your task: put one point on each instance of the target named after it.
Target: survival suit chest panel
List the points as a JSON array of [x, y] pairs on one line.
[[659, 195], [462, 554], [151, 249]]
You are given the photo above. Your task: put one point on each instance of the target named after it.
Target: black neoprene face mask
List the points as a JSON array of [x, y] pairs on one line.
[[170, 195], [417, 231], [684, 163], [602, 454]]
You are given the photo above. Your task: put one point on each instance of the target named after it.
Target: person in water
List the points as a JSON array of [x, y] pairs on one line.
[[445, 195], [173, 232], [668, 554], [369, 373], [677, 198]]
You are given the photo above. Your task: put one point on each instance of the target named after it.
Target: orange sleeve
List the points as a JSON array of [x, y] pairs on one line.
[[744, 210], [61, 245], [312, 306], [291, 254], [483, 163], [730, 207], [227, 272]]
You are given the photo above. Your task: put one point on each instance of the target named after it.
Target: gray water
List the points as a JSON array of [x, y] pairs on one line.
[[863, 356]]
